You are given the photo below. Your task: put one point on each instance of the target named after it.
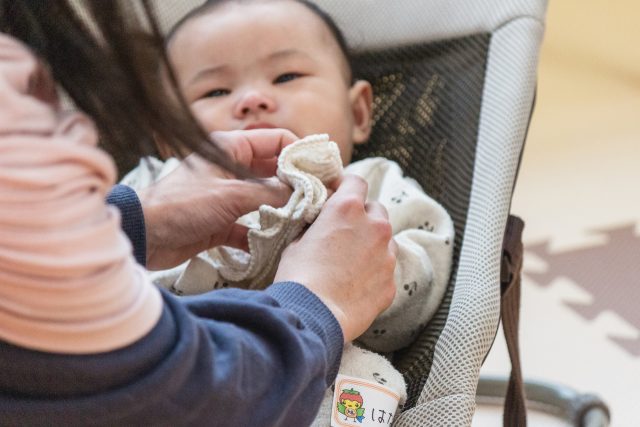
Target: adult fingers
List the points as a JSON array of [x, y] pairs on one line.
[[376, 209], [393, 247], [264, 168], [333, 185], [378, 212], [352, 185], [250, 195], [245, 147], [237, 237]]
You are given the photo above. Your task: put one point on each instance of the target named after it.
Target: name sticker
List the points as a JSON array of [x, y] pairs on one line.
[[358, 402]]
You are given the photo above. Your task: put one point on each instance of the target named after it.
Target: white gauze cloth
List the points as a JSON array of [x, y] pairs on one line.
[[307, 166]]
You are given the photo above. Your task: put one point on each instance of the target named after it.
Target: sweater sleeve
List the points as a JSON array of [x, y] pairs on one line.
[[132, 217], [207, 362]]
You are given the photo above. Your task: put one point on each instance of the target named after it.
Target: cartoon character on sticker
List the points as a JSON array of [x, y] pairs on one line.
[[350, 405]]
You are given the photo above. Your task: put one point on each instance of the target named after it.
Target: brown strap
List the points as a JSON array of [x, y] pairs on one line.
[[515, 411]]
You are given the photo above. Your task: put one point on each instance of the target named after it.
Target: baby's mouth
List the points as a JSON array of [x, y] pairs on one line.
[[261, 125]]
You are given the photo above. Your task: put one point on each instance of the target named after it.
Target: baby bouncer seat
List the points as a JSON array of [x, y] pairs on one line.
[[454, 84]]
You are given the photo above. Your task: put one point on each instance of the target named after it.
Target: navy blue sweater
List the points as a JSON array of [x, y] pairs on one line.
[[132, 219], [225, 358]]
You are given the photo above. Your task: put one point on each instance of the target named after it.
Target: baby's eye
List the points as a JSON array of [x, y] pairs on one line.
[[216, 93], [287, 77]]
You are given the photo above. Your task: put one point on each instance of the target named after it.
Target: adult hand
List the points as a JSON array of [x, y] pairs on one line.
[[347, 258], [195, 207]]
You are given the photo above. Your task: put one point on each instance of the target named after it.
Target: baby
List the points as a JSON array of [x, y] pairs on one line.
[[247, 64]]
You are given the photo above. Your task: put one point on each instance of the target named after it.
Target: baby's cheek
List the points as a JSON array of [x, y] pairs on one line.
[[208, 117], [346, 152]]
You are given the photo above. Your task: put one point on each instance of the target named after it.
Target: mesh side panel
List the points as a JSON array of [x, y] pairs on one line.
[[453, 411], [426, 111], [473, 317]]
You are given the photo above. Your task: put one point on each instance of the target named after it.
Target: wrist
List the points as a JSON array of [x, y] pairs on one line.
[[334, 308], [340, 316], [153, 229], [133, 221]]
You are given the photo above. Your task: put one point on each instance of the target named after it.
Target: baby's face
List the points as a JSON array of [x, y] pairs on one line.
[[269, 65]]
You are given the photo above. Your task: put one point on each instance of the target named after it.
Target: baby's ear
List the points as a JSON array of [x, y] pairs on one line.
[[361, 98]]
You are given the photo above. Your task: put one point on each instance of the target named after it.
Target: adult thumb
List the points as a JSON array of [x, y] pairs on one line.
[[255, 193]]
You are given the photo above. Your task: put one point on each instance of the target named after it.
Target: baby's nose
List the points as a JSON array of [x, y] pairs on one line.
[[254, 102]]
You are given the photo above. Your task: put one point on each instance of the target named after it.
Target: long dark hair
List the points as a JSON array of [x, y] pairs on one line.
[[106, 56]]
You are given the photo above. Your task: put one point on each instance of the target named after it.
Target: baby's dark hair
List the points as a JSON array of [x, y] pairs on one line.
[[314, 8]]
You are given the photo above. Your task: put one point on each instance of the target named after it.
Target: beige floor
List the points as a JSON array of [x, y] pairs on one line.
[[578, 184]]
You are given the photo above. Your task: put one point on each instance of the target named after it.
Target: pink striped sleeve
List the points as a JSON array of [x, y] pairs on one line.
[[68, 281]]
